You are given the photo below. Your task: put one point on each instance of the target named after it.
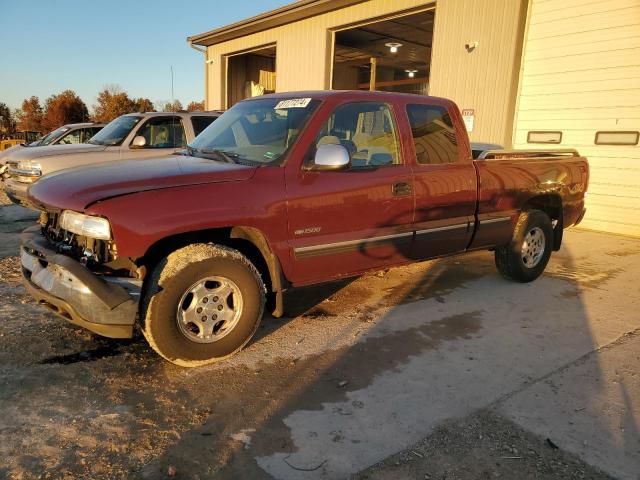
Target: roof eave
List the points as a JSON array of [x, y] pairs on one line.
[[274, 18]]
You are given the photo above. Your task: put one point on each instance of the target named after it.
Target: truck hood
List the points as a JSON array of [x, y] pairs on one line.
[[33, 153], [77, 188], [9, 152]]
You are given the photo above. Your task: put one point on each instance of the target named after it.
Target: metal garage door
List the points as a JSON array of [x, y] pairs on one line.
[[581, 75]]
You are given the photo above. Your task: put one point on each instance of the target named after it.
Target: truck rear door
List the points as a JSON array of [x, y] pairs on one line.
[[348, 221], [445, 180]]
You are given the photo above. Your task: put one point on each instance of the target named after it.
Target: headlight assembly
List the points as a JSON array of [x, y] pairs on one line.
[[86, 225], [27, 171]]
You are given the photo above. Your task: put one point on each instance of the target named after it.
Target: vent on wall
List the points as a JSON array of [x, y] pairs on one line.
[[617, 138], [544, 137]]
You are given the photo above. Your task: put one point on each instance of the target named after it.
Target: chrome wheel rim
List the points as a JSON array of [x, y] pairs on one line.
[[533, 247], [209, 309]]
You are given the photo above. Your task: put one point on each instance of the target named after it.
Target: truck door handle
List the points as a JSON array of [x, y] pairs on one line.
[[402, 189]]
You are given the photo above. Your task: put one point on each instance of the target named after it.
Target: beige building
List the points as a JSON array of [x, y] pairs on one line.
[[528, 73]]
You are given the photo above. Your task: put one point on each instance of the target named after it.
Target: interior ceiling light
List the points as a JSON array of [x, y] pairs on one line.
[[411, 73], [393, 46]]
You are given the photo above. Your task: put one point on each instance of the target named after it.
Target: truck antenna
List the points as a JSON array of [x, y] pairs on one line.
[[173, 102]]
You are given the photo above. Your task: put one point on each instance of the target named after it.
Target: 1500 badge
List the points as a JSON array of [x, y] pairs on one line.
[[307, 231]]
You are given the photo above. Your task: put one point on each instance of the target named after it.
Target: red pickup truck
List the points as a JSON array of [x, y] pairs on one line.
[[285, 190]]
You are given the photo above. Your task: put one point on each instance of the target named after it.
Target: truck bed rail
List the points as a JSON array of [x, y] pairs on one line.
[[527, 154]]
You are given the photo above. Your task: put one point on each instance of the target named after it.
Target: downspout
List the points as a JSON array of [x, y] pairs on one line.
[[206, 71]]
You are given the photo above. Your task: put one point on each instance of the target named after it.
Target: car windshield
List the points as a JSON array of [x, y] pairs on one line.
[[51, 136], [116, 131], [256, 131]]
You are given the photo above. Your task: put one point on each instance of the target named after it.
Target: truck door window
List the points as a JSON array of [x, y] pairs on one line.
[[71, 137], [366, 130], [91, 132], [165, 132], [434, 135], [87, 133]]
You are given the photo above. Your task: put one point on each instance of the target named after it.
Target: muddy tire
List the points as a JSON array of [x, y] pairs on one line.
[[526, 256], [203, 304]]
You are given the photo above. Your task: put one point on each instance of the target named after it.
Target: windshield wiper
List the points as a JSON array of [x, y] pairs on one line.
[[188, 151], [229, 157], [226, 156]]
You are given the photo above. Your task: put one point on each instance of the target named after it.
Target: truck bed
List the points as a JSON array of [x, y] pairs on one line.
[[510, 179]]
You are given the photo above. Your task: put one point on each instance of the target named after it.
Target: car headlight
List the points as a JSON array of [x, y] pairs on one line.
[[85, 225], [28, 170]]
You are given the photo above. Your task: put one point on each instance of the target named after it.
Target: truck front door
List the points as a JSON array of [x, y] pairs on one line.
[[348, 221]]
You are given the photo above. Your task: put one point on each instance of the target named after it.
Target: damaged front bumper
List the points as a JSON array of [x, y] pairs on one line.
[[105, 305], [17, 191]]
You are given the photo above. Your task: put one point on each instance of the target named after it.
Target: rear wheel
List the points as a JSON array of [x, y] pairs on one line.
[[526, 256], [204, 303]]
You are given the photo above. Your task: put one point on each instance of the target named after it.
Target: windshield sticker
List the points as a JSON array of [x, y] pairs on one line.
[[292, 103]]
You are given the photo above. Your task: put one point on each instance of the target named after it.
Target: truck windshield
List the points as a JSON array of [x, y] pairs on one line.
[[257, 131], [52, 136], [115, 131]]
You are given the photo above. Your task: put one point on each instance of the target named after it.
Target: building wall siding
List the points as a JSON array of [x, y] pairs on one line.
[[302, 48], [581, 74], [481, 80], [484, 79]]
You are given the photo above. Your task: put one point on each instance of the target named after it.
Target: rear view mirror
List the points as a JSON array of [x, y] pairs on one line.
[[331, 157], [139, 142]]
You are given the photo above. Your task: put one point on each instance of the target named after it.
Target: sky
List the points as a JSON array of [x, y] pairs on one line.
[[48, 46]]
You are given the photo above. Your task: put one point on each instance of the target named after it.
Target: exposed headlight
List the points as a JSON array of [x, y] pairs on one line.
[[86, 225], [27, 171]]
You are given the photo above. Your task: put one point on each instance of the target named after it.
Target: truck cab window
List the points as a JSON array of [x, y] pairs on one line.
[[434, 135], [200, 123], [366, 130], [166, 132], [71, 137], [87, 133]]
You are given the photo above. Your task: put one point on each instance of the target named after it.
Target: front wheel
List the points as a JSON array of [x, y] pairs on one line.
[[204, 303], [526, 256]]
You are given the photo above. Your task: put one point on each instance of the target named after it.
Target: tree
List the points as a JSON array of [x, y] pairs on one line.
[[66, 107], [171, 106], [143, 105], [112, 102], [195, 106], [30, 115], [7, 124]]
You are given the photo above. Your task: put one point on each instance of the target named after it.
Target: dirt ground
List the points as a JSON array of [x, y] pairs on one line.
[[465, 375], [482, 446]]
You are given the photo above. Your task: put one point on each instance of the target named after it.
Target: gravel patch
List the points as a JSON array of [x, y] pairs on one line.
[[482, 446]]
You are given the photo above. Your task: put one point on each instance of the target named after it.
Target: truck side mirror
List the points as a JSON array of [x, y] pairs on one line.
[[331, 157], [138, 142]]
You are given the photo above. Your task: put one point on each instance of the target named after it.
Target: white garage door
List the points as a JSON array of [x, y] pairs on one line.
[[581, 75]]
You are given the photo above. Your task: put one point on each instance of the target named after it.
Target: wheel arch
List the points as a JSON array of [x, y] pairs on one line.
[[551, 204], [249, 241]]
